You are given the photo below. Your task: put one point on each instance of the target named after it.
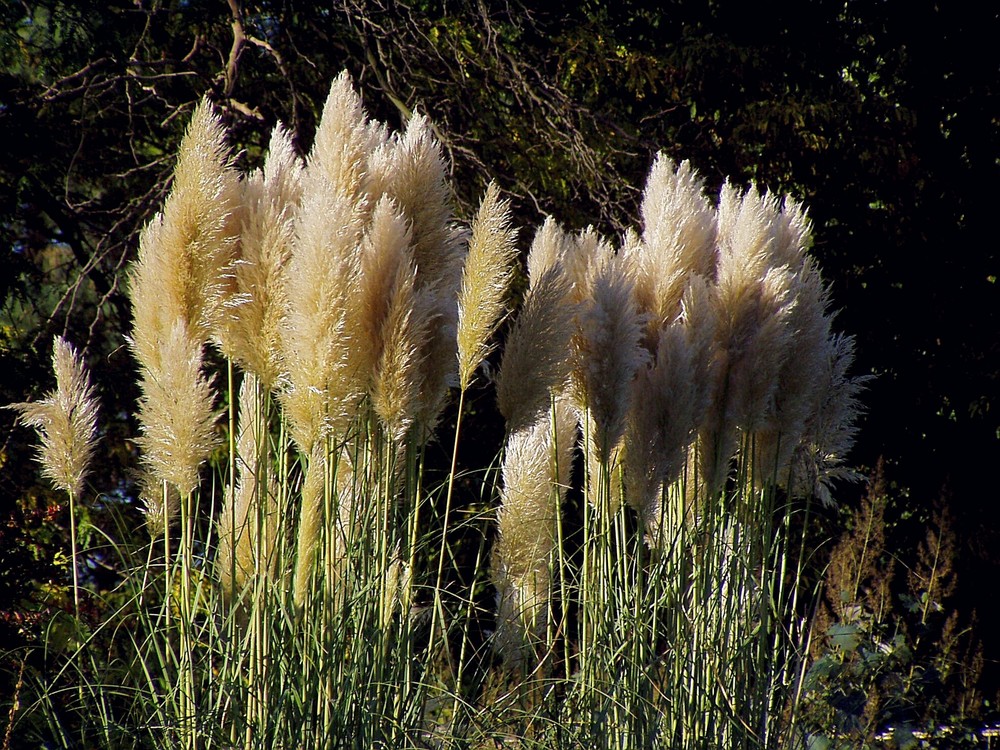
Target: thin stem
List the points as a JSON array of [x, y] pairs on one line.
[[438, 610], [73, 553]]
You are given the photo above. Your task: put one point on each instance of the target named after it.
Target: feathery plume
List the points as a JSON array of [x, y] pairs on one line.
[[792, 231], [321, 386], [395, 391], [184, 267], [754, 335], [832, 425], [413, 173], [678, 239], [344, 142], [411, 170], [548, 250], [535, 468], [386, 257], [176, 412], [488, 272], [535, 360], [606, 351], [582, 254], [270, 199], [776, 439], [391, 326], [327, 359], [66, 420], [777, 436], [661, 423], [177, 287]]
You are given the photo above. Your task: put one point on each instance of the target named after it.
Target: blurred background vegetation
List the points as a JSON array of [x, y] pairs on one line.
[[881, 115]]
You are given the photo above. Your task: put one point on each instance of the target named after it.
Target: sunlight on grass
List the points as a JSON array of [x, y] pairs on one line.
[[628, 571]]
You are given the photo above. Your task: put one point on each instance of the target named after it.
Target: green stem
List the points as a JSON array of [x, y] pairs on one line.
[[438, 611], [72, 541]]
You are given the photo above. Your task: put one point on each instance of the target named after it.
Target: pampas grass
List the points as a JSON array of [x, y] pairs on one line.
[[678, 239], [535, 361], [321, 387], [605, 347], [393, 320], [411, 170], [177, 413], [333, 592], [66, 421], [486, 278], [252, 325], [536, 467], [184, 266]]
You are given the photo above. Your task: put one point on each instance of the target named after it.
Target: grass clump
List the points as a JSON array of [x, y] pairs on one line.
[[671, 407]]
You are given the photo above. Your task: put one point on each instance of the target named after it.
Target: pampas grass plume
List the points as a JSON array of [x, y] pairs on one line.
[[270, 203], [678, 239], [413, 173], [486, 279], [606, 351], [394, 323], [536, 467], [535, 359], [184, 267], [411, 170], [832, 425], [345, 139], [66, 420], [176, 413], [316, 345], [662, 421], [755, 295]]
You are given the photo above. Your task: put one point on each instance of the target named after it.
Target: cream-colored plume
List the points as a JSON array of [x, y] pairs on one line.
[[390, 320], [535, 361], [176, 413], [411, 170], [254, 314], [178, 285], [184, 268], [327, 358], [536, 469], [777, 438], [755, 295], [413, 173], [486, 279], [832, 424], [66, 420], [662, 422], [548, 250], [606, 350], [678, 239], [345, 140]]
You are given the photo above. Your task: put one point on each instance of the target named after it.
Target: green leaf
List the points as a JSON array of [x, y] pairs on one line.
[[819, 742], [845, 637]]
